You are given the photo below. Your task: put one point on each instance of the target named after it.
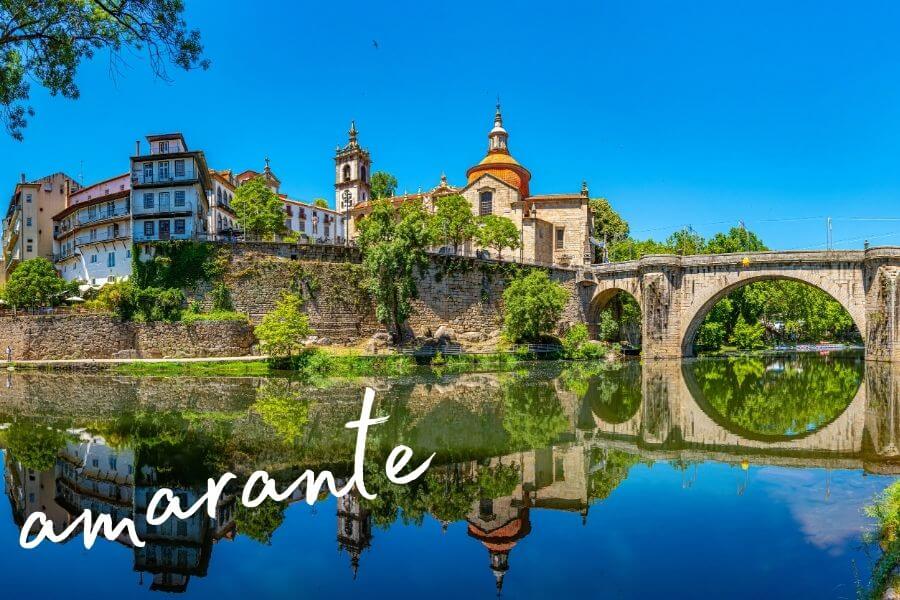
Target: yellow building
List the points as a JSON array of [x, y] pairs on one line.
[[554, 228], [28, 225]]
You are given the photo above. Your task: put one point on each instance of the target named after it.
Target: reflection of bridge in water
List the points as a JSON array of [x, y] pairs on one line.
[[671, 421]]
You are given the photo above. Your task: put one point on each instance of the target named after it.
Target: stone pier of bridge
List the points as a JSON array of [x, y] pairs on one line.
[[676, 292]]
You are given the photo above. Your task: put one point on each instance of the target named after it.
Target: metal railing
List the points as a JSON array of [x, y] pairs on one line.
[[84, 219], [141, 178]]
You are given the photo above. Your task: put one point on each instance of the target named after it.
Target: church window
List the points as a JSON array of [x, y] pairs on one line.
[[362, 173], [560, 237], [485, 203], [346, 172]]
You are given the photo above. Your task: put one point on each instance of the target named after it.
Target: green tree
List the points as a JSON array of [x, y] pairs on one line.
[[382, 184], [608, 225], [533, 305], [686, 242], [747, 336], [285, 328], [631, 249], [393, 240], [453, 221], [258, 209], [320, 202], [34, 283], [46, 41], [497, 232], [737, 239]]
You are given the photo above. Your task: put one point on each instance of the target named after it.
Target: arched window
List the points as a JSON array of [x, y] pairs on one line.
[[485, 203], [346, 172], [362, 173]]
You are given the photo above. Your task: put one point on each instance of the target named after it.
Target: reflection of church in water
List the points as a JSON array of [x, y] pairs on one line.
[[91, 475]]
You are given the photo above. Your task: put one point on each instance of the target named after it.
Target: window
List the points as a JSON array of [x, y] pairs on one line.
[[163, 201], [485, 203], [179, 168], [346, 172], [219, 195], [362, 173], [28, 248], [111, 259], [93, 258], [163, 170], [560, 237], [28, 198], [149, 228], [112, 462], [148, 200], [287, 224], [179, 226], [128, 254], [28, 222], [163, 147], [179, 198], [148, 171]]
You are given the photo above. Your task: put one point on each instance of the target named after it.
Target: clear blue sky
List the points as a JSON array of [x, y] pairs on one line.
[[701, 113]]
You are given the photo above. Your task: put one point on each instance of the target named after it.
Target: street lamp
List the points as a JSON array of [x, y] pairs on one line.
[[346, 196]]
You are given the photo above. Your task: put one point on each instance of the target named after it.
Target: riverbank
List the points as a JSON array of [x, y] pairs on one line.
[[312, 364]]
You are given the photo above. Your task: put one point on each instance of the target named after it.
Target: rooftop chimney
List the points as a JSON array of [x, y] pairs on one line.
[[22, 177], [137, 147]]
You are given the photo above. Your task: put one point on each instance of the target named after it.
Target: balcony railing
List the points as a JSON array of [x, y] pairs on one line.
[[86, 218], [141, 178], [87, 239]]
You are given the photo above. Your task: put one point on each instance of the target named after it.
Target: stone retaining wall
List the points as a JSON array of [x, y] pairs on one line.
[[73, 336]]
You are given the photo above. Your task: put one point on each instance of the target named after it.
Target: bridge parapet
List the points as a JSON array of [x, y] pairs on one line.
[[676, 292]]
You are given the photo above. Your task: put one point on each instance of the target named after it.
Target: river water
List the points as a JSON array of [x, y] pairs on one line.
[[720, 478]]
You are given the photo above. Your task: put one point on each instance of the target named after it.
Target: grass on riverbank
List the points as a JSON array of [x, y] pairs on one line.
[[318, 364], [255, 368]]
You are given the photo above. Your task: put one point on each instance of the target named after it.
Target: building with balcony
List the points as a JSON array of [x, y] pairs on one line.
[[310, 222], [92, 235], [169, 191], [28, 225]]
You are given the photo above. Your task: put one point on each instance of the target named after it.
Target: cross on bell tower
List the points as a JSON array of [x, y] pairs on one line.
[[352, 166]]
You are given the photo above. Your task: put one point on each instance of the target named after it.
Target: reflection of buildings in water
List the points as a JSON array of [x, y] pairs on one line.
[[354, 528], [555, 478], [90, 475]]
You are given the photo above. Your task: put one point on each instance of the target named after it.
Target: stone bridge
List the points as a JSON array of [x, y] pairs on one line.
[[676, 292]]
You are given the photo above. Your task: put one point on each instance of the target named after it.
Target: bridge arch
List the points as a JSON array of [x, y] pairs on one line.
[[703, 302], [602, 299]]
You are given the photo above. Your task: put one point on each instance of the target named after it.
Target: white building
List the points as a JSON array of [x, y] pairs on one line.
[[222, 221], [92, 235], [312, 223], [169, 191]]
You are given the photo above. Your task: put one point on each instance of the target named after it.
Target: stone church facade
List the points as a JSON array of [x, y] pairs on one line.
[[553, 228]]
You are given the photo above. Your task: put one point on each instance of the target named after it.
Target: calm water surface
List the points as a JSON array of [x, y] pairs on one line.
[[737, 478]]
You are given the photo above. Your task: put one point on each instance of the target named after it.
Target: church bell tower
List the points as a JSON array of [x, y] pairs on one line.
[[351, 173]]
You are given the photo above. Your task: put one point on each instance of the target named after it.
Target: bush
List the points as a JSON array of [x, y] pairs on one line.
[[158, 304], [221, 297], [711, 335], [533, 306], [284, 329], [119, 298]]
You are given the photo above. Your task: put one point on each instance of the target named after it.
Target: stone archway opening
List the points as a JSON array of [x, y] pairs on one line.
[[769, 312], [615, 316]]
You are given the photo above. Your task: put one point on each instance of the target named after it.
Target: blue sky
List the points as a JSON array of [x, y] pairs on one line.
[[699, 113]]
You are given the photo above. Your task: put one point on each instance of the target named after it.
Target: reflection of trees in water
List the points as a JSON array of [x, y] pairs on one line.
[[611, 469], [778, 396], [532, 416], [261, 522], [615, 395], [34, 444]]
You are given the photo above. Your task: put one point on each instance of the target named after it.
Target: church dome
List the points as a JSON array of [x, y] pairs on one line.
[[499, 162]]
